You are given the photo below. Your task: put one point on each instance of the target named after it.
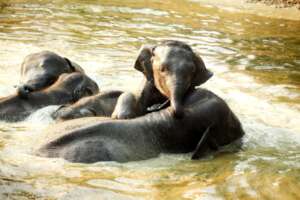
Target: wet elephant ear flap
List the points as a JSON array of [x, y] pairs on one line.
[[74, 66], [143, 61]]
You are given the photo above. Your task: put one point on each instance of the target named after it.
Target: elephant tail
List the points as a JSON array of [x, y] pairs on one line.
[[201, 147]]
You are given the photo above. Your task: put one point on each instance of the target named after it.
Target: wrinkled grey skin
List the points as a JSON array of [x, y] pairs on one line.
[[40, 70], [149, 135], [69, 88], [175, 69], [101, 104]]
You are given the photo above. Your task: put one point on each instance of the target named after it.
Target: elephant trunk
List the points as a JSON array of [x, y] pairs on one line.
[[34, 85], [176, 99]]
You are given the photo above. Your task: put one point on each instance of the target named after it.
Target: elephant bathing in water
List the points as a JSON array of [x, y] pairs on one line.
[[67, 89], [208, 124], [171, 69], [104, 103], [40, 70]]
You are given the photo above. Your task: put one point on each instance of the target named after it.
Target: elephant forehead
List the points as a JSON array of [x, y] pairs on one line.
[[170, 54], [32, 74], [162, 53]]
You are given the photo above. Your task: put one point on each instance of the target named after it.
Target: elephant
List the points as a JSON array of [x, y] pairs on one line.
[[68, 88], [40, 70], [101, 104], [208, 125], [171, 69]]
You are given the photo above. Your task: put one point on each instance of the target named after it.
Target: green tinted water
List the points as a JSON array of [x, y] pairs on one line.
[[256, 62]]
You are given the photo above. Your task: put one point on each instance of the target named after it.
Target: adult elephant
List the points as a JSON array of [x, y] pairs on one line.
[[40, 70], [208, 124], [68, 88], [171, 69]]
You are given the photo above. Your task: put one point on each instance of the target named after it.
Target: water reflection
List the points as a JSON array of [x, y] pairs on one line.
[[256, 63]]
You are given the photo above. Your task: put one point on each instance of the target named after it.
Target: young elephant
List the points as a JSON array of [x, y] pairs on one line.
[[67, 89], [208, 124], [175, 69], [40, 70], [172, 69], [101, 104]]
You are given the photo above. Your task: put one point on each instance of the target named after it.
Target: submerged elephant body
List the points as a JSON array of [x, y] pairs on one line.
[[67, 89], [40, 70], [147, 136]]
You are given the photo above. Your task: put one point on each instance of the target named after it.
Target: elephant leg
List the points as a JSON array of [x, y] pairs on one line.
[[126, 107]]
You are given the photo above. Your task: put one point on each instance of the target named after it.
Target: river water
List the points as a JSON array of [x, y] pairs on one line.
[[256, 65]]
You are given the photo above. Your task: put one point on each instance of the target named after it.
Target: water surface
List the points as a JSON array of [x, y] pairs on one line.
[[256, 62]]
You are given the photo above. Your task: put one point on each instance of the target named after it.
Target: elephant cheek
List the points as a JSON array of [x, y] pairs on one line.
[[161, 85]]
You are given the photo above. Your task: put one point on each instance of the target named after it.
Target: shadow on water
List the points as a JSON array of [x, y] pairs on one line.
[[257, 71]]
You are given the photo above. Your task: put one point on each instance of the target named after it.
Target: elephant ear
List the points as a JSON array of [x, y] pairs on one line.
[[201, 74], [143, 61], [81, 92], [74, 67]]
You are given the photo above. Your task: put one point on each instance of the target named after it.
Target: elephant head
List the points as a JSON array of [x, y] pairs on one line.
[[174, 69], [78, 85], [42, 69]]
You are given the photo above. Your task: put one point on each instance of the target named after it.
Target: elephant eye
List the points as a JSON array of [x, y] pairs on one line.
[[89, 92], [163, 68]]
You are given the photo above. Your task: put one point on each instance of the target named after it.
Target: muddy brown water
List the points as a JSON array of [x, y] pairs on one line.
[[256, 62]]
